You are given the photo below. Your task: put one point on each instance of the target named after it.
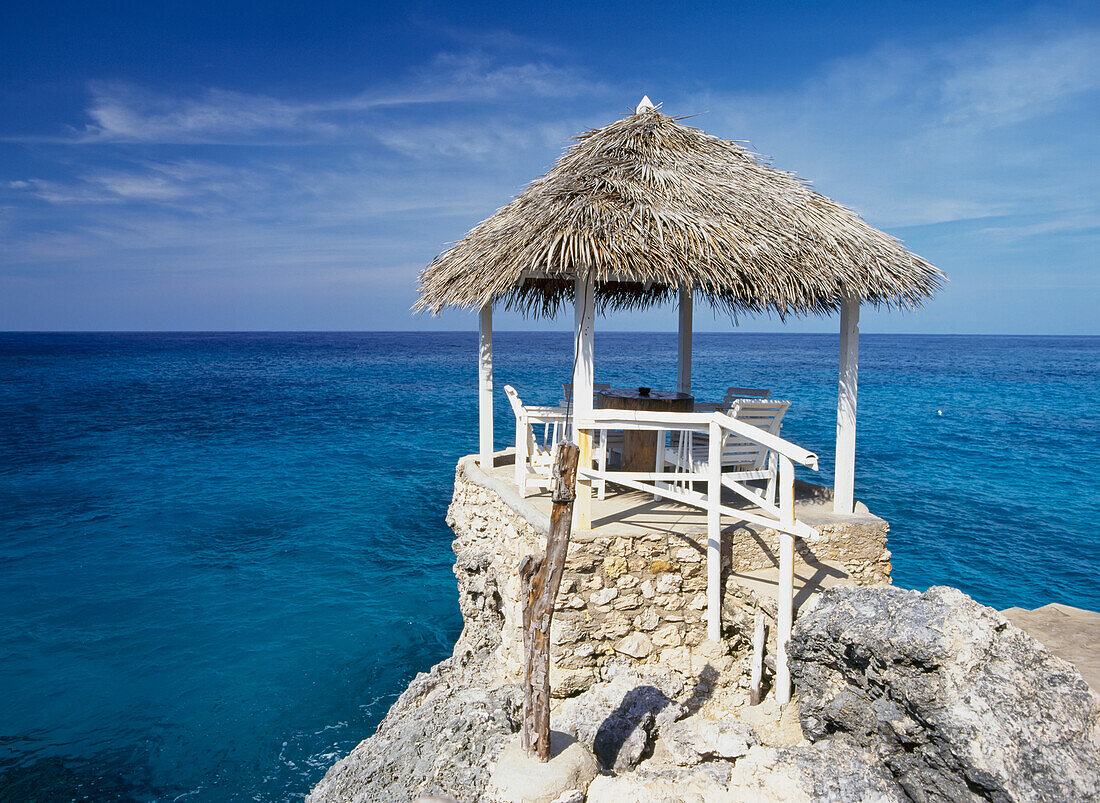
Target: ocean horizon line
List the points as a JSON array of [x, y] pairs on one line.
[[517, 332]]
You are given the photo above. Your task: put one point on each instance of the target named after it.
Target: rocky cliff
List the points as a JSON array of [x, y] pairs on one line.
[[899, 696], [957, 703]]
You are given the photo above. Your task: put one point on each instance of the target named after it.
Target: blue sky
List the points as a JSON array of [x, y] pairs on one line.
[[287, 166]]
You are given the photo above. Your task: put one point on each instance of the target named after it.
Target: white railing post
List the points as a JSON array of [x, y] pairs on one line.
[[485, 388], [659, 463], [714, 533], [845, 479], [584, 321], [785, 601], [683, 360], [521, 454], [756, 668]]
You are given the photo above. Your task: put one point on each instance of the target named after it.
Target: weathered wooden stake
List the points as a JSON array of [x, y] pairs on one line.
[[541, 578]]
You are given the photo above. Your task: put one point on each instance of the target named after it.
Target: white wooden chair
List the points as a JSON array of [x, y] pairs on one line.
[[530, 452], [743, 460]]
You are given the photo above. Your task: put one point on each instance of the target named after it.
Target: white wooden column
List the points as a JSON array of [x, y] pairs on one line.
[[583, 377], [844, 484], [485, 388], [714, 532], [784, 602], [683, 362]]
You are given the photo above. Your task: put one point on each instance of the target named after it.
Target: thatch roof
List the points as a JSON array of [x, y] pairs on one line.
[[649, 206]]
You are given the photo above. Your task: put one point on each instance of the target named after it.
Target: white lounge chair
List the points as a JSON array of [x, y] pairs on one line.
[[732, 395], [743, 460], [530, 452]]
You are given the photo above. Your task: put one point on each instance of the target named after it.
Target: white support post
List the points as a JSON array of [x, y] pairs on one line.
[[844, 484], [522, 442], [583, 377], [485, 388], [785, 600], [757, 667], [714, 533], [683, 363], [659, 463]]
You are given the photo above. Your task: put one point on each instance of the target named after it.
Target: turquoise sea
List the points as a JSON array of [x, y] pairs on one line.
[[222, 556]]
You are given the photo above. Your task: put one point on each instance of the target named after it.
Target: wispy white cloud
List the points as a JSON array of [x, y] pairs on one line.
[[1075, 222], [147, 181], [123, 113], [914, 137], [1010, 80], [470, 140]]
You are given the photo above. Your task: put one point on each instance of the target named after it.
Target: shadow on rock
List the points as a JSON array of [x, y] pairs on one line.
[[621, 717], [623, 739]]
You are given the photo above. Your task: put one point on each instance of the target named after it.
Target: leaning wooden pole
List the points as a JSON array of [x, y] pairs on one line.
[[541, 578]]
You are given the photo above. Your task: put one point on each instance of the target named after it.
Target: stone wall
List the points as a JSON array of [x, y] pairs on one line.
[[627, 596]]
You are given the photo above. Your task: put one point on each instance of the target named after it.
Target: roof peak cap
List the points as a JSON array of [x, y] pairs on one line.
[[645, 105]]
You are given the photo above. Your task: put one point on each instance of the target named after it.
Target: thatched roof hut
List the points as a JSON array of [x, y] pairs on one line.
[[648, 206], [648, 209]]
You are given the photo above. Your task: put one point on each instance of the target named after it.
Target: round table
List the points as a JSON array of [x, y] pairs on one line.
[[640, 447]]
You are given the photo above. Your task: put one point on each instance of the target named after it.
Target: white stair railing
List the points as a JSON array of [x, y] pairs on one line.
[[679, 486]]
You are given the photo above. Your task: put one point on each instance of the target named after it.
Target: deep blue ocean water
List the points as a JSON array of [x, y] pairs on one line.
[[222, 556]]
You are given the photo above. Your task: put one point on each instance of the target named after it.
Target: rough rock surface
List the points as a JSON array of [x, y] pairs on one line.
[[618, 719], [958, 703], [440, 737], [520, 778], [829, 772], [698, 739]]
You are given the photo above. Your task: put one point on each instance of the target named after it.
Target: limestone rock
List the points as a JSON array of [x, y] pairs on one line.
[[439, 737], [614, 566], [706, 783], [647, 620], [605, 596], [829, 772], [823, 772], [520, 778], [636, 645], [695, 739], [572, 796], [567, 682], [958, 703], [617, 718], [667, 636], [669, 583]]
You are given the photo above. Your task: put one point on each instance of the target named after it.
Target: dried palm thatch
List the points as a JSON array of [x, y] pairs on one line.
[[648, 206]]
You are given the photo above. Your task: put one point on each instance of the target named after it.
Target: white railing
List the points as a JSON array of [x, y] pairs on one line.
[[674, 485], [680, 486]]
